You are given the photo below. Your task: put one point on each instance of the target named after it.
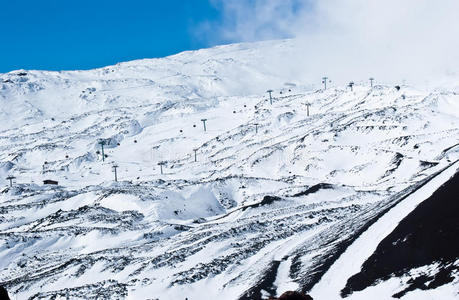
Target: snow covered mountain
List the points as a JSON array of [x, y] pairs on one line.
[[302, 191]]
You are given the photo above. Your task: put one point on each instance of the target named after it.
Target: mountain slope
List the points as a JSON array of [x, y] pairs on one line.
[[265, 199]]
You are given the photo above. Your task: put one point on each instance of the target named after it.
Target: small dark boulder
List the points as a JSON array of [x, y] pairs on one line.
[[49, 181], [293, 295]]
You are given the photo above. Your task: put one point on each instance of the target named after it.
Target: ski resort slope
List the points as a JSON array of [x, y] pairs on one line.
[[293, 192]]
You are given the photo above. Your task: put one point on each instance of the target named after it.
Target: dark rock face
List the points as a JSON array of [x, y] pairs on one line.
[[267, 200], [315, 188], [426, 236], [3, 294], [265, 284]]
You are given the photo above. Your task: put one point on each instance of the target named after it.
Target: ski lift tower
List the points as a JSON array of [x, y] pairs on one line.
[[371, 81], [114, 170], [10, 178], [307, 108], [351, 85], [204, 122], [270, 96], [195, 154], [161, 164], [324, 81], [102, 143]]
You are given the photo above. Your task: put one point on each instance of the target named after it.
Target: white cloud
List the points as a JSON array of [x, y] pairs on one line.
[[255, 20], [352, 39]]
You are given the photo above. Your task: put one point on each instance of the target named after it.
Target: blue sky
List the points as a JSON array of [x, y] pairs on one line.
[[83, 34], [411, 37]]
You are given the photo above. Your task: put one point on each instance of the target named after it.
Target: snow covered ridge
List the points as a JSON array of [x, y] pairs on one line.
[[238, 69], [265, 200]]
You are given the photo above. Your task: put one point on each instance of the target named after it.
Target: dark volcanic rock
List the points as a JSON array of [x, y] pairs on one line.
[[314, 189], [426, 236]]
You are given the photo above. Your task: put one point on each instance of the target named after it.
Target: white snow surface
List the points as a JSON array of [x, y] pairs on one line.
[[206, 224]]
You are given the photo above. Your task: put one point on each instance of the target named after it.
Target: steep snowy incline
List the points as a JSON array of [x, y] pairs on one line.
[[266, 198], [419, 258], [349, 263]]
